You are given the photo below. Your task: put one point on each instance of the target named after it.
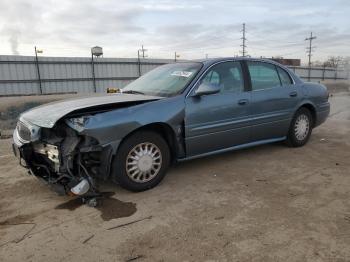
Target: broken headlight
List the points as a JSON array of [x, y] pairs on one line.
[[27, 132]]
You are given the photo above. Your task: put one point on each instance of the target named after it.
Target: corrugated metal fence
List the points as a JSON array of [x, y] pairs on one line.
[[21, 75], [320, 73]]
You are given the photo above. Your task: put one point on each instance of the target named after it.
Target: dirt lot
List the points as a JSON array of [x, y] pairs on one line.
[[12, 107], [269, 203]]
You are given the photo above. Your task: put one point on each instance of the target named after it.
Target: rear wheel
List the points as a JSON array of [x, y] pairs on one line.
[[300, 129], [141, 161]]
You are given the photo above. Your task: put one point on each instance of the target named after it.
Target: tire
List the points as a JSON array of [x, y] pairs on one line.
[[149, 169], [300, 128]]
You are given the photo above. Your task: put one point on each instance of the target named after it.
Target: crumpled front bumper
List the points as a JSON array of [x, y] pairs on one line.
[[17, 148], [23, 151]]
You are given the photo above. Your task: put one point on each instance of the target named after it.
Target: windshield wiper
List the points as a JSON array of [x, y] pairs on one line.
[[132, 92]]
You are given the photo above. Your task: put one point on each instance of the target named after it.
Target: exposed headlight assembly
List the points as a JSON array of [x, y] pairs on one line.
[[77, 123], [27, 132]]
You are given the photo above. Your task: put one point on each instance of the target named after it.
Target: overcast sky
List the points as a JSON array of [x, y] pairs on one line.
[[192, 28]]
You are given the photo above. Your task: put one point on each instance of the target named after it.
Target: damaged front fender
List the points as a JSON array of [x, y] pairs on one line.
[[81, 145]]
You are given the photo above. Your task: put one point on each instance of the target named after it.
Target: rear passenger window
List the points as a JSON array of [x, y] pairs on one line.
[[284, 76], [263, 75]]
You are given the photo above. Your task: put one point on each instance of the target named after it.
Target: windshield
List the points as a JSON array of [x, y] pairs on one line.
[[165, 80]]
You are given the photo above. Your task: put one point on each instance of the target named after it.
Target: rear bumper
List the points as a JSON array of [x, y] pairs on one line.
[[322, 114]]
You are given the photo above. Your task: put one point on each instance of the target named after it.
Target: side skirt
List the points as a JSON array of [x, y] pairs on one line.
[[251, 144]]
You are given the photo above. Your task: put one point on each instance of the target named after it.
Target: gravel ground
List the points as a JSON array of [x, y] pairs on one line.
[[268, 203]]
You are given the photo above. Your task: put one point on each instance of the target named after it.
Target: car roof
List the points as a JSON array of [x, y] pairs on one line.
[[238, 58], [210, 61]]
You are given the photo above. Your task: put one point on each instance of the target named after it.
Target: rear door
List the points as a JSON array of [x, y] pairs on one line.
[[274, 99], [221, 120]]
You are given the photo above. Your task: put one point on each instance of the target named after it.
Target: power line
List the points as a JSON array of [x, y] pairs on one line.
[[309, 49], [244, 39]]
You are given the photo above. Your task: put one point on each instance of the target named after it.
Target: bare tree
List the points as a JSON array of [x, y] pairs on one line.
[[318, 63], [334, 61]]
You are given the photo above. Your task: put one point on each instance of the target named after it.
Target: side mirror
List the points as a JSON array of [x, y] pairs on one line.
[[207, 89]]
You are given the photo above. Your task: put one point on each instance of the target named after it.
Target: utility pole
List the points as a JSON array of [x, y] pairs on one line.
[[138, 58], [244, 39], [143, 52], [309, 52], [309, 49]]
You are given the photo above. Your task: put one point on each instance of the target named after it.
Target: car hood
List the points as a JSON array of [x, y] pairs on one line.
[[47, 115]]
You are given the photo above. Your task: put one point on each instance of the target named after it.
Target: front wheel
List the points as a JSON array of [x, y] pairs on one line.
[[141, 161], [300, 128]]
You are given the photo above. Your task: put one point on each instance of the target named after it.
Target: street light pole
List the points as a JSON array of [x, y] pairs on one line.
[[138, 57], [38, 70], [176, 56], [139, 61], [93, 72], [95, 51]]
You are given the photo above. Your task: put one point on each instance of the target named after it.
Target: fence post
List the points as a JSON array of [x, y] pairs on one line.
[[335, 73], [323, 72], [38, 70]]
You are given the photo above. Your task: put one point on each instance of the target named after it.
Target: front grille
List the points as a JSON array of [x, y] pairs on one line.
[[23, 131]]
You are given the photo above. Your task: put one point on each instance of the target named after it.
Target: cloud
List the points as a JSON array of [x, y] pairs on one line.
[[18, 21], [170, 5], [191, 28]]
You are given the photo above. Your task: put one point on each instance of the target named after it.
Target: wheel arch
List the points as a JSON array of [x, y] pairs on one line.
[[312, 109], [163, 129]]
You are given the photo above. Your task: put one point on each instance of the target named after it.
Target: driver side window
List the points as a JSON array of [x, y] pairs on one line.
[[212, 78], [227, 75]]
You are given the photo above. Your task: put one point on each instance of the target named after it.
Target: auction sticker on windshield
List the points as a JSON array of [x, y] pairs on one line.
[[181, 73]]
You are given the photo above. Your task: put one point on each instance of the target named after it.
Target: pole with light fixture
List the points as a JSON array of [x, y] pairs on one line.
[[37, 67], [138, 58], [95, 51], [176, 56]]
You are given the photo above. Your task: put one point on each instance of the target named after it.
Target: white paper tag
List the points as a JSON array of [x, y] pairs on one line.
[[181, 73]]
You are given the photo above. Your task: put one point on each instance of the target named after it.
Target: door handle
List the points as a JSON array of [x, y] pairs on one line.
[[293, 94], [243, 102]]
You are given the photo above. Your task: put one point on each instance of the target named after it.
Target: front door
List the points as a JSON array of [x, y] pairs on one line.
[[221, 120]]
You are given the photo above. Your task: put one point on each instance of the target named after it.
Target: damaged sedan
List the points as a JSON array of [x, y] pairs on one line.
[[175, 112]]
